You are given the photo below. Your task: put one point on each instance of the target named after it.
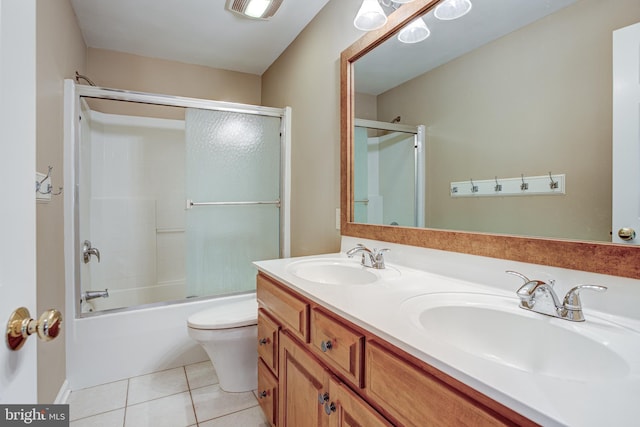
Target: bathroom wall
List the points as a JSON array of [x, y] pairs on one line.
[[133, 72], [512, 98], [307, 77], [60, 51]]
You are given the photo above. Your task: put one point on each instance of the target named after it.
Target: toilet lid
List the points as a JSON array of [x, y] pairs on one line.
[[229, 315]]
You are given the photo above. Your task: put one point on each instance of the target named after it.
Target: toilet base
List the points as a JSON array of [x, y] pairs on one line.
[[234, 355]]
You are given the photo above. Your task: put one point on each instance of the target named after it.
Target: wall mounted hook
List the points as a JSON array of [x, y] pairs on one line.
[[553, 184], [474, 188]]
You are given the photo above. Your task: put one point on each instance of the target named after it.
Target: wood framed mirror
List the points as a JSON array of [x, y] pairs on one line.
[[596, 257]]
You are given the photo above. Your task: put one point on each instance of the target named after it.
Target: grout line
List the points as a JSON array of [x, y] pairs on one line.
[[193, 405], [126, 403]]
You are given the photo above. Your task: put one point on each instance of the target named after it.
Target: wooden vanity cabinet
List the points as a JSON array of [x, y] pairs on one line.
[[332, 373]]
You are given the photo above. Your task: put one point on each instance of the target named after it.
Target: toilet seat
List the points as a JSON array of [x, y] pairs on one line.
[[229, 315]]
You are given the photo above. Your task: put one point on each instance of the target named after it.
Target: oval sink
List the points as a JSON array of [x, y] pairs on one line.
[[333, 272], [495, 328]]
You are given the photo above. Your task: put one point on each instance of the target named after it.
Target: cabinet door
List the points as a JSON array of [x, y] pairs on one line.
[[349, 410], [268, 393], [302, 384], [268, 341]]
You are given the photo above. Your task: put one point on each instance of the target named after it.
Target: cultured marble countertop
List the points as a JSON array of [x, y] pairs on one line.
[[545, 399]]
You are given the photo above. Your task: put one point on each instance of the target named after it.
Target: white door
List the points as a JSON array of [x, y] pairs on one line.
[[626, 133], [17, 193]]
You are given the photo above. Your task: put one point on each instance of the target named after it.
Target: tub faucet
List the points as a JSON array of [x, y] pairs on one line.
[[370, 258], [535, 295], [89, 295]]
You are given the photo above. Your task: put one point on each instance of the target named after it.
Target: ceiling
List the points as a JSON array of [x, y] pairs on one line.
[[198, 32]]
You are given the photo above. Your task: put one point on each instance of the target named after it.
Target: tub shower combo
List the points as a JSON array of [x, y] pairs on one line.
[[173, 199]]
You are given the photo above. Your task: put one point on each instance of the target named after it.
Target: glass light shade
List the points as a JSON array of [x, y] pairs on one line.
[[256, 8], [452, 9], [415, 32], [370, 16], [402, 1]]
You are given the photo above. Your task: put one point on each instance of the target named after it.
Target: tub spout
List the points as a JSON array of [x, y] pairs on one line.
[[89, 295]]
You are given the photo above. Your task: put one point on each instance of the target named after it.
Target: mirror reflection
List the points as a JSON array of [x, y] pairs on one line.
[[512, 88]]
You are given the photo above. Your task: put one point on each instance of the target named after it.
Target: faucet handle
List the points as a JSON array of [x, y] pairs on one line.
[[520, 275], [572, 299]]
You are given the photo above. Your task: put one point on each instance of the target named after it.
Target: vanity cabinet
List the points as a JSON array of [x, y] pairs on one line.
[[331, 372]]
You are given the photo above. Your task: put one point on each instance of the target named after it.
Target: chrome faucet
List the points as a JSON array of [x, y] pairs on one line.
[[535, 295], [374, 257]]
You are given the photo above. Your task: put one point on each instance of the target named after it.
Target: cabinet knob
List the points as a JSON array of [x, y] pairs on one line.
[[329, 408], [323, 398], [326, 345], [263, 394], [263, 341]]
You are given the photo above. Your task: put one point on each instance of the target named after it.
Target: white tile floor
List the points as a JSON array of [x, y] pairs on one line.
[[182, 397]]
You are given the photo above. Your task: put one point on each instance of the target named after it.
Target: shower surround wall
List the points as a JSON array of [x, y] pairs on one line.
[[132, 207]]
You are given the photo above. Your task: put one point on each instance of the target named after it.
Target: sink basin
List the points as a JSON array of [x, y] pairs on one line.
[[494, 328], [331, 271]]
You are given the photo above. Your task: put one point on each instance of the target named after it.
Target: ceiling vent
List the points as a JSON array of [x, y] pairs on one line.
[[255, 9]]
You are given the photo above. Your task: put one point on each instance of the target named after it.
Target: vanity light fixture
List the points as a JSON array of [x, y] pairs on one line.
[[415, 32], [370, 17], [449, 10], [254, 9]]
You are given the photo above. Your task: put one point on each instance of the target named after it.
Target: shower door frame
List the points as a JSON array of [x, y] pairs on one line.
[[73, 251], [419, 160]]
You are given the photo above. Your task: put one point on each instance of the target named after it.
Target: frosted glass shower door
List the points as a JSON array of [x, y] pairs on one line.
[[233, 172]]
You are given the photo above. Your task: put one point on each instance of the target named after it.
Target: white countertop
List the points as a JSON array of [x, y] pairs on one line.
[[545, 399]]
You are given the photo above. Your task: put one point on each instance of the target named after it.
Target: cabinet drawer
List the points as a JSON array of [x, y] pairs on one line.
[[416, 398], [268, 393], [340, 347], [268, 341], [291, 311]]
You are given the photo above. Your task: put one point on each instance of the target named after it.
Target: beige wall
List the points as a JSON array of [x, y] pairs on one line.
[[307, 78], [60, 52], [132, 72], [547, 86]]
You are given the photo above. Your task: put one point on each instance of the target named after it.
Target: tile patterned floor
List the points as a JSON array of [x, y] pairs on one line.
[[182, 397]]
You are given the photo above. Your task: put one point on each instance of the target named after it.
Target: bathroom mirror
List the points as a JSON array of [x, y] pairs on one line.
[[582, 252]]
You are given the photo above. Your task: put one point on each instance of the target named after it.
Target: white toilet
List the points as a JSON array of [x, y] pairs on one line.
[[229, 332]]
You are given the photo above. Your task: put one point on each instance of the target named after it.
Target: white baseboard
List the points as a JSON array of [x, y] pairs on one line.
[[63, 393]]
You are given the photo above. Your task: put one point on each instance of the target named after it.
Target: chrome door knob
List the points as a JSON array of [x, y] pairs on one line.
[[627, 233]]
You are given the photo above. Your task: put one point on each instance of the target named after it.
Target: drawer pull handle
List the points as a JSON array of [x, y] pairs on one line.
[[263, 341], [263, 394], [326, 345], [329, 408], [323, 398]]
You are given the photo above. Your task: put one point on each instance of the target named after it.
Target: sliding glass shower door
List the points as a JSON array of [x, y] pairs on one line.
[[233, 191]]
